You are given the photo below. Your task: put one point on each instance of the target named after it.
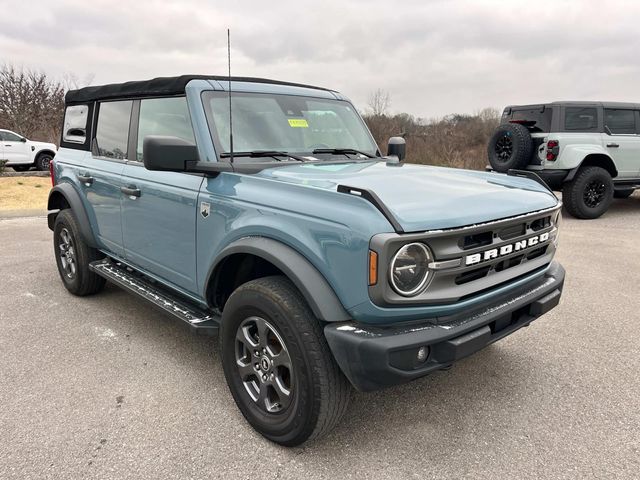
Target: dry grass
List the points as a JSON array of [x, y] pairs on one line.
[[24, 193]]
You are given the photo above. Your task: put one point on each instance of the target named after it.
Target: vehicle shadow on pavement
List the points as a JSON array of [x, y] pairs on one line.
[[442, 400]]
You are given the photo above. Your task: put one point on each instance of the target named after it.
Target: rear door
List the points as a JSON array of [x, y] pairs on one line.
[[159, 214], [15, 148], [99, 174], [621, 140]]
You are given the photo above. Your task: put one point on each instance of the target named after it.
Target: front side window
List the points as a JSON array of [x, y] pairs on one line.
[[619, 121], [580, 118], [288, 123], [74, 128], [10, 137], [112, 132], [164, 116]]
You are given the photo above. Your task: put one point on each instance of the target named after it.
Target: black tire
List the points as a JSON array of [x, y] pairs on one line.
[[509, 147], [319, 392], [43, 161], [589, 194], [626, 193], [74, 259], [21, 168]]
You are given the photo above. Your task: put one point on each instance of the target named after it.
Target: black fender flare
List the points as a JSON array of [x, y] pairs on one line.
[[72, 198], [44, 150], [314, 287]]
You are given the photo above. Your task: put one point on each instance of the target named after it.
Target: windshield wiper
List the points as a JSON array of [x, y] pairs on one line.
[[343, 151], [263, 153]]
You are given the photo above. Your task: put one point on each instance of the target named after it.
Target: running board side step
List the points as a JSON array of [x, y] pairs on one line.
[[200, 320]]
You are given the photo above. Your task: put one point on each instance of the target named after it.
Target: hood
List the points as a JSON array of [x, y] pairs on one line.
[[423, 197]]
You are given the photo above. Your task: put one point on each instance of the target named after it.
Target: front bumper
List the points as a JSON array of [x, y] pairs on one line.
[[378, 357]]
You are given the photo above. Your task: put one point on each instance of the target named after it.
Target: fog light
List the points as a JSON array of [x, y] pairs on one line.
[[423, 353]]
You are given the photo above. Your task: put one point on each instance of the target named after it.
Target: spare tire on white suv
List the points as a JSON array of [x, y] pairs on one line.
[[510, 147]]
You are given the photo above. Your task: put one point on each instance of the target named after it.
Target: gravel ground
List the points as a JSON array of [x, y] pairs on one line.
[[106, 387]]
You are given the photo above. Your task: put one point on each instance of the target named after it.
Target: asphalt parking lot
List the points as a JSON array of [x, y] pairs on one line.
[[106, 387]]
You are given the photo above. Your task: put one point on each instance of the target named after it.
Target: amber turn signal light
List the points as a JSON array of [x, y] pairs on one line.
[[373, 267]]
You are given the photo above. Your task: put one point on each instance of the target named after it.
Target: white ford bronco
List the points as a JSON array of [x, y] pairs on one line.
[[589, 150]]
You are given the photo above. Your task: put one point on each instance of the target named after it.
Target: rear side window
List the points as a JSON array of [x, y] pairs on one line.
[[75, 124], [164, 116], [620, 121], [537, 119], [580, 118], [112, 132]]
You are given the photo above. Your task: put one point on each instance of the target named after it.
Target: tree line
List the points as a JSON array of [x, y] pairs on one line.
[[456, 140], [32, 104]]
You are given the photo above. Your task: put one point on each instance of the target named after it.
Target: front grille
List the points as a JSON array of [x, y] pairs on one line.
[[471, 259], [499, 266]]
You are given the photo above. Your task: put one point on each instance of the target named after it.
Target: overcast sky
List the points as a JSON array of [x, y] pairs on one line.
[[433, 57]]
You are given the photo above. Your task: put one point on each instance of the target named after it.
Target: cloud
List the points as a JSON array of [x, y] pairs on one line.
[[433, 57]]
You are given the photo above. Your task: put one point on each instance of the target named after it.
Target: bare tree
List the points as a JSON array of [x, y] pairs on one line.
[[32, 103], [379, 102]]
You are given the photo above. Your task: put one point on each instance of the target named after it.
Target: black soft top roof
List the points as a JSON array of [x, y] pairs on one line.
[[157, 86]]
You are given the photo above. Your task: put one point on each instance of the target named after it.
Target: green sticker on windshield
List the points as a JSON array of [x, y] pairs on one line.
[[298, 123]]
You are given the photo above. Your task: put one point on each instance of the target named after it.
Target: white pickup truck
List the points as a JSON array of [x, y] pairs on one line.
[[21, 154]]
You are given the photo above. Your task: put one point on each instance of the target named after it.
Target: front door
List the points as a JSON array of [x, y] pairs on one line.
[[621, 141], [159, 208], [15, 148]]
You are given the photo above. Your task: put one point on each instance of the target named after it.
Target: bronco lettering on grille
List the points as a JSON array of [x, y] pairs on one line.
[[506, 249]]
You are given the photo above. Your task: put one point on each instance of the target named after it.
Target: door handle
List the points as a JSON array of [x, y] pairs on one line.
[[132, 191], [8, 145], [86, 179], [612, 145]]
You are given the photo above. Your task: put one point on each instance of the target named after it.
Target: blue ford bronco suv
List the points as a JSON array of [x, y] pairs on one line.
[[280, 227]]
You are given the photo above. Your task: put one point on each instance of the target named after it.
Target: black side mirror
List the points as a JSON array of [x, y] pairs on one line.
[[23, 140], [397, 147], [168, 154]]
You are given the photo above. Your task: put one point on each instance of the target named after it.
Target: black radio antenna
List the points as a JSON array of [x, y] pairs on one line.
[[230, 116]]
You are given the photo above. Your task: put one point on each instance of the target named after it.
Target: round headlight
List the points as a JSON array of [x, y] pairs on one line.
[[410, 269]]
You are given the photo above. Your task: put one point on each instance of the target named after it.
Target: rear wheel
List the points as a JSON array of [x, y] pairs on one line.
[[510, 147], [589, 194], [278, 365], [73, 257], [626, 193]]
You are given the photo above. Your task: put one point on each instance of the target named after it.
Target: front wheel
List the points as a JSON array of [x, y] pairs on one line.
[[589, 194], [43, 161], [278, 365]]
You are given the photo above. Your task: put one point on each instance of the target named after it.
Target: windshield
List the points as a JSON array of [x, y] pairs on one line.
[[285, 123]]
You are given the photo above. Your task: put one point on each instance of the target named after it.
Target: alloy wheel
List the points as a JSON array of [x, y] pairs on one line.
[[264, 365], [594, 193], [67, 253], [504, 148]]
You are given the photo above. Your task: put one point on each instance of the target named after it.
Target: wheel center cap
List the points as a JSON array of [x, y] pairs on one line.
[[265, 364]]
